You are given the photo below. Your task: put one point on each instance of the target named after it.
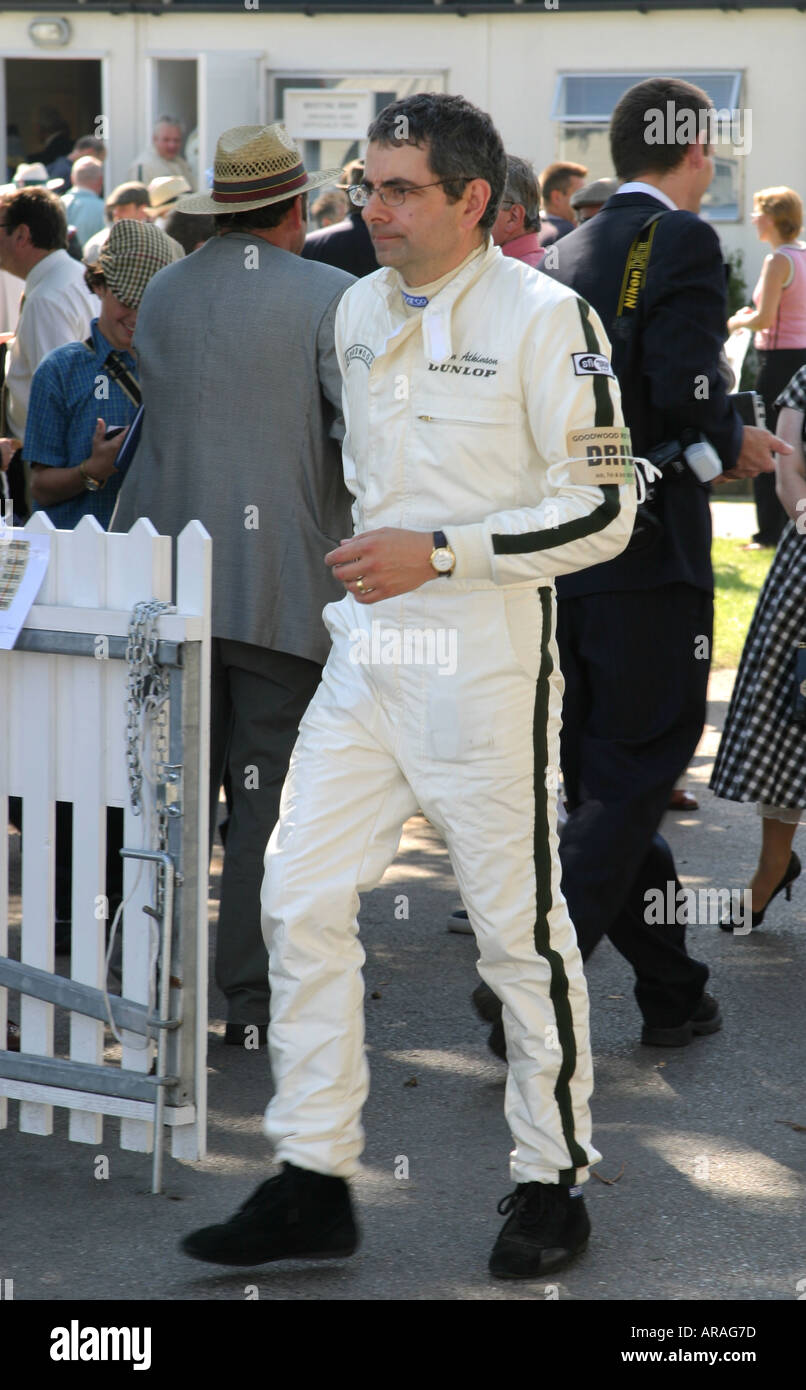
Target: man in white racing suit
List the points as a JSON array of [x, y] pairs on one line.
[[469, 382]]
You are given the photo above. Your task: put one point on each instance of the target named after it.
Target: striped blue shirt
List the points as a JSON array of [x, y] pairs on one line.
[[70, 392]]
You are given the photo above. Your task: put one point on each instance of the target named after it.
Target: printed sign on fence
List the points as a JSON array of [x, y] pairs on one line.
[[23, 565]]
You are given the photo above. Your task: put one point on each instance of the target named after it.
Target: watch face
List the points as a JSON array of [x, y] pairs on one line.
[[442, 560]]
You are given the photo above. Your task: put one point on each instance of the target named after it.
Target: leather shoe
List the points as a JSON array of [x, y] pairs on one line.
[[682, 800], [793, 870], [706, 1019]]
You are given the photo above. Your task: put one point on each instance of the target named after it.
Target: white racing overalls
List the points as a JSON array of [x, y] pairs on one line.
[[447, 699]]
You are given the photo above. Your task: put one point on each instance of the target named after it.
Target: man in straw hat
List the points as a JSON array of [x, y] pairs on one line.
[[34, 176], [239, 372], [347, 244], [164, 194], [469, 381]]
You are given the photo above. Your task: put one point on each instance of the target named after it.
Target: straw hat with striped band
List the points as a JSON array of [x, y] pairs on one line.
[[253, 167]]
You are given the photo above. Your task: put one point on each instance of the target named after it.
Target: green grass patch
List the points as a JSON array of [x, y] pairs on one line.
[[738, 577]]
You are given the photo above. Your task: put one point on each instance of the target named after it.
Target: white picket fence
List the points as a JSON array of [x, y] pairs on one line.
[[62, 739]]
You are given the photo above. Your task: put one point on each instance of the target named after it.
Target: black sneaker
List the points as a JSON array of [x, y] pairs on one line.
[[705, 1019], [297, 1215], [547, 1227]]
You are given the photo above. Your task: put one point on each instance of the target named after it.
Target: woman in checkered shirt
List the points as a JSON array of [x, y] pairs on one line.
[[762, 755]]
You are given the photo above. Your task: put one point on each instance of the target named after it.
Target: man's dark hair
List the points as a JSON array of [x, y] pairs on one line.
[[558, 176], [188, 228], [461, 141], [634, 125], [523, 188], [331, 204], [125, 193], [259, 219], [90, 144], [42, 213]]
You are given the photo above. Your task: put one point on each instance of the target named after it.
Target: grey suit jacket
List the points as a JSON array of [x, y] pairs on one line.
[[242, 425]]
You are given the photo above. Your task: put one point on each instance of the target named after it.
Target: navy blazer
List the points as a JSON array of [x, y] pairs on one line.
[[673, 380], [347, 245]]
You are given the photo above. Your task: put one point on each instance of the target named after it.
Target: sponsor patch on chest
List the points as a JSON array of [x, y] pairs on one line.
[[469, 364], [591, 364]]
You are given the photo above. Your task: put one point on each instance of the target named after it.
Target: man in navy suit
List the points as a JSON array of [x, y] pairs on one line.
[[635, 632], [347, 244]]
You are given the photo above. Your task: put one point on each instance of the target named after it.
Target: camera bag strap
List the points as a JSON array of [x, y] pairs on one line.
[[120, 373]]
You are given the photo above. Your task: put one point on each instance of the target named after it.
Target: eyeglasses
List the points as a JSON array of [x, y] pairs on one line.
[[394, 196]]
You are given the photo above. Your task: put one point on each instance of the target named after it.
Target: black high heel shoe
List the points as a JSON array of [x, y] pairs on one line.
[[785, 886]]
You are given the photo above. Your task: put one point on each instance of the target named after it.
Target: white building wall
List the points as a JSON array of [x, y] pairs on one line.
[[507, 64]]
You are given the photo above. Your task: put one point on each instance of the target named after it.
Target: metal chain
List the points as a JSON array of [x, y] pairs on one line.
[[146, 696]]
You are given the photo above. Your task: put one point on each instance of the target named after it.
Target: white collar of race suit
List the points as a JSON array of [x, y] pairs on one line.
[[436, 317]]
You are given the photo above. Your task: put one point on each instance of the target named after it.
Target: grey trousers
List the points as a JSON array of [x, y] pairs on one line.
[[258, 698]]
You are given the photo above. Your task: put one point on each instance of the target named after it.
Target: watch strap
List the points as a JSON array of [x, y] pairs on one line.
[[441, 543], [91, 484]]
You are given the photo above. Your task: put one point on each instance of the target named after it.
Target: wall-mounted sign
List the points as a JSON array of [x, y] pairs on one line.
[[314, 114]]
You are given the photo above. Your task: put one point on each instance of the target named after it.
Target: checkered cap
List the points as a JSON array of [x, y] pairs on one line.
[[133, 253]]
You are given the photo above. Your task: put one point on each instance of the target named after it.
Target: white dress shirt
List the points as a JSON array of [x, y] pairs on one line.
[[638, 187], [11, 289], [58, 308]]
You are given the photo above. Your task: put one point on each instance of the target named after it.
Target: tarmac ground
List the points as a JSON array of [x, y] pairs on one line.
[[699, 1194]]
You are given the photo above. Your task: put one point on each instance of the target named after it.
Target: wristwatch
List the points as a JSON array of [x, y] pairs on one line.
[[91, 484], [442, 557]]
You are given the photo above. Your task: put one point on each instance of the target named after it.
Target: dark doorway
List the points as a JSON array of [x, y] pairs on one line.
[[49, 103]]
